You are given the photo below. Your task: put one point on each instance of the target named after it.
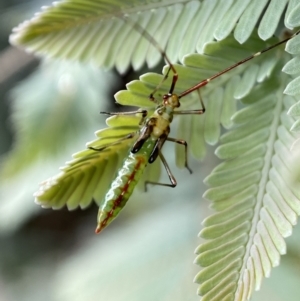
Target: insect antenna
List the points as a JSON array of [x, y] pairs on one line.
[[206, 81]]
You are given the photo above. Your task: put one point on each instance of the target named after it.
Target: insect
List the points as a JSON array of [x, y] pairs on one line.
[[153, 133]]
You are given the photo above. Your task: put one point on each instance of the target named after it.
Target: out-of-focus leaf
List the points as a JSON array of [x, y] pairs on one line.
[[66, 102], [55, 111]]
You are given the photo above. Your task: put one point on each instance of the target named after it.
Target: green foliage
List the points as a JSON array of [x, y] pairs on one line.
[[78, 183], [255, 200], [92, 30]]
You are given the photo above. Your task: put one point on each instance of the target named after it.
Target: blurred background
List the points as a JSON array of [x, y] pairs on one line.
[[48, 111]]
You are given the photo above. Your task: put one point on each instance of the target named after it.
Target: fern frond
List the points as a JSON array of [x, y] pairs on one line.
[[257, 205], [293, 88], [78, 183], [94, 31]]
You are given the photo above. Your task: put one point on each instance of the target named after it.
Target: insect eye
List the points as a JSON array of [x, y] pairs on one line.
[[166, 99]]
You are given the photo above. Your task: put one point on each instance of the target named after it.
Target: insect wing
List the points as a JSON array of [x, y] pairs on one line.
[[89, 174]]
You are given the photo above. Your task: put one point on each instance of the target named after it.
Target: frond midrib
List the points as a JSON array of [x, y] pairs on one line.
[[264, 180]]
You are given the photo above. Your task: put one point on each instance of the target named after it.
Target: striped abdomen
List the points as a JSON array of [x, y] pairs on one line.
[[121, 189]]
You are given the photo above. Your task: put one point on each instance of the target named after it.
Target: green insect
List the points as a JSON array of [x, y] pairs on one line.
[[148, 141]]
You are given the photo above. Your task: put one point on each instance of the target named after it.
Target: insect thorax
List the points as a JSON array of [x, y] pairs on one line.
[[161, 119]]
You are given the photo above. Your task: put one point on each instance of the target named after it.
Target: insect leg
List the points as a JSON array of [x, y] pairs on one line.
[[184, 143], [143, 112], [189, 112], [174, 79], [170, 175], [151, 96], [128, 136]]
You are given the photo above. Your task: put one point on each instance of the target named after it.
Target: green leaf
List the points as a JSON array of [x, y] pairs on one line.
[[257, 203], [79, 182], [95, 30], [292, 17]]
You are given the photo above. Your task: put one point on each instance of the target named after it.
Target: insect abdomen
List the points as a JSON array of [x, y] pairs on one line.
[[121, 189]]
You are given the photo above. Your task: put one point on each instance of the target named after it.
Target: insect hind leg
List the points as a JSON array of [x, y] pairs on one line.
[[184, 143], [168, 170]]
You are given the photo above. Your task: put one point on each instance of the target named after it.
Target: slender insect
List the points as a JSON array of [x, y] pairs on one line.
[[153, 133]]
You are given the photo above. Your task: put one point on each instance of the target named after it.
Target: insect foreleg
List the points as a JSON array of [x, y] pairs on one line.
[[143, 112], [140, 111], [170, 175], [174, 80], [128, 136], [196, 112], [151, 96], [184, 143]]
